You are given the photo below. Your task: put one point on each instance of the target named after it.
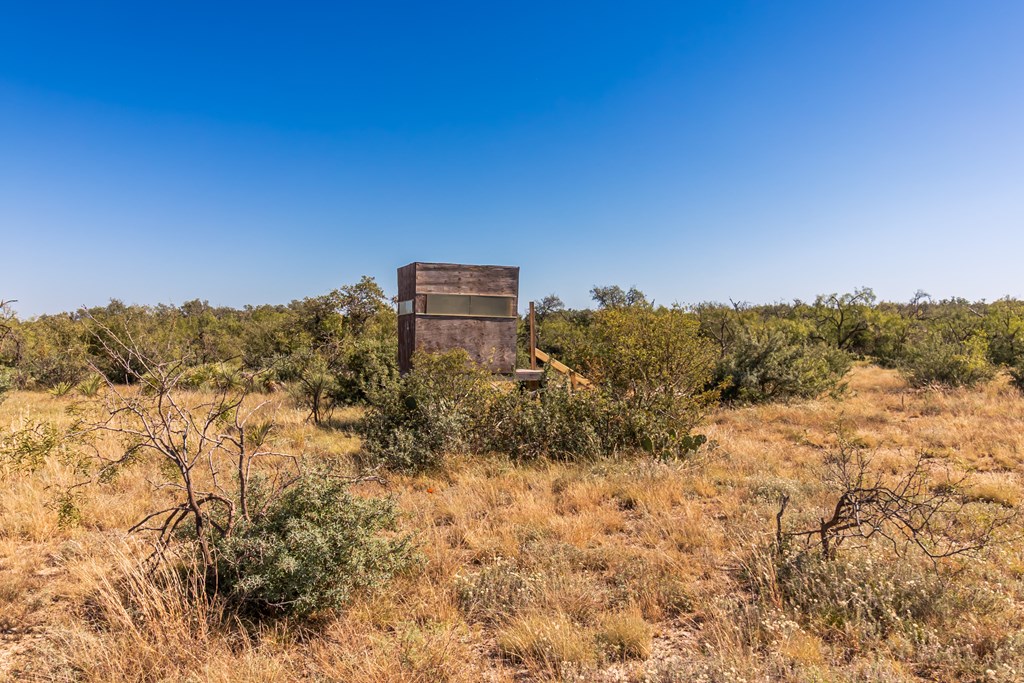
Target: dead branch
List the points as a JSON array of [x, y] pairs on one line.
[[908, 510]]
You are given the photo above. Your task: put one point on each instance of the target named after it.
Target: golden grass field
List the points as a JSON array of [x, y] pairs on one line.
[[625, 570]]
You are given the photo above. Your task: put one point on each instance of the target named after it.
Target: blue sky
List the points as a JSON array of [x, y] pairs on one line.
[[259, 152]]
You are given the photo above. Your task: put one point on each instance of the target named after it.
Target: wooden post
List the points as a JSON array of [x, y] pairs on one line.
[[533, 340]]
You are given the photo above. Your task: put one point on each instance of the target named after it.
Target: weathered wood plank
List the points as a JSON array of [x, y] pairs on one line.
[[527, 375], [486, 340], [407, 282], [453, 278], [406, 342]]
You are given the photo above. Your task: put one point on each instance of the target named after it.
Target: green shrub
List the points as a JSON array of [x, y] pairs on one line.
[[60, 389], [558, 423], [310, 550], [314, 388], [567, 425], [435, 409], [656, 361], [1004, 329], [28, 448], [776, 365], [415, 422], [447, 404], [90, 386], [50, 350], [656, 369], [890, 328], [369, 363], [951, 363]]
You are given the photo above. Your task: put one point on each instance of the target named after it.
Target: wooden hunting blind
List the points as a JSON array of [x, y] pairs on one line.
[[445, 306]]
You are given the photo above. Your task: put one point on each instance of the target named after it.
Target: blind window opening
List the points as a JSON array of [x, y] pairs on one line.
[[476, 305]]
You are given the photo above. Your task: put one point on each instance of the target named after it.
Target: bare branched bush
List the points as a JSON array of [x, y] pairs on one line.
[[912, 509], [211, 447]]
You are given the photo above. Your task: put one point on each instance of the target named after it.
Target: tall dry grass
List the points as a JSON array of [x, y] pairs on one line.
[[617, 570]]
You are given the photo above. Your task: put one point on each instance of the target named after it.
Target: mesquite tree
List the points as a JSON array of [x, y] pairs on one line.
[[841, 318]]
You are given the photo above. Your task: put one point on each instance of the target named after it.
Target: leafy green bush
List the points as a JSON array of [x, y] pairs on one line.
[[310, 550], [776, 364], [435, 409], [557, 423], [48, 351], [656, 369], [28, 448], [952, 363], [564, 334], [890, 329], [567, 425], [447, 404], [655, 359], [369, 361], [1004, 329]]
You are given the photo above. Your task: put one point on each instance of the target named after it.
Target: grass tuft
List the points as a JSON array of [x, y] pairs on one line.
[[546, 641], [625, 635]]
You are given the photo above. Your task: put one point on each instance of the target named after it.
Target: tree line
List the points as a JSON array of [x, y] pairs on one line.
[[335, 348], [800, 349]]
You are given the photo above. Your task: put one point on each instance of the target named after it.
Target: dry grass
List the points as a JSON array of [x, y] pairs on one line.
[[625, 635], [615, 570], [546, 642]]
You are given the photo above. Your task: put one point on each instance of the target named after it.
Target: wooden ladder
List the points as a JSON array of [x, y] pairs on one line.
[[575, 378]]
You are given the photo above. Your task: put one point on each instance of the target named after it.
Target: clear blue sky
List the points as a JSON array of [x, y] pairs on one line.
[[256, 152]]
